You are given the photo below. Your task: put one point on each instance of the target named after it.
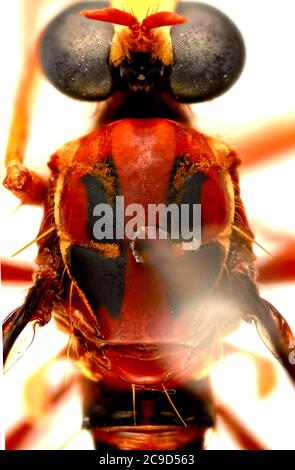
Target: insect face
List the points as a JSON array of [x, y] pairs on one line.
[[199, 58], [141, 73]]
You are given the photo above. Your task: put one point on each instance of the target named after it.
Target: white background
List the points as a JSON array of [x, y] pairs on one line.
[[265, 94]]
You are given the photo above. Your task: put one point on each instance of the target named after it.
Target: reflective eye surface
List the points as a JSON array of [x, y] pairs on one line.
[[75, 53], [209, 53]]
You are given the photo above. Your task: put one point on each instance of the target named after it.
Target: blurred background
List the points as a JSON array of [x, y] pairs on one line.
[[256, 117]]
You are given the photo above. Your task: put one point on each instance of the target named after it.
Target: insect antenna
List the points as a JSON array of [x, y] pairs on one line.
[[173, 406], [44, 234]]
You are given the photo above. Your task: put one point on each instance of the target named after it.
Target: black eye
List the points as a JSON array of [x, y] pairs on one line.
[[75, 53], [209, 53]]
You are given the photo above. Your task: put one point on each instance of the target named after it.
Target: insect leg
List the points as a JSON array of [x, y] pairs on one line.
[[271, 325], [265, 371], [16, 272], [37, 307], [280, 268], [266, 143], [243, 436], [24, 183], [42, 401], [26, 433]]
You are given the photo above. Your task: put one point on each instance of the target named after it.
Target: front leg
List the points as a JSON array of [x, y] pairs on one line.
[[25, 184], [271, 325], [37, 307]]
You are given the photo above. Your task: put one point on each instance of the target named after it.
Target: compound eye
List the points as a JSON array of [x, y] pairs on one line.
[[75, 53], [209, 53]]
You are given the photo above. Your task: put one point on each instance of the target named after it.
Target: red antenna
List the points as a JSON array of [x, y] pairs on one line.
[[163, 18], [112, 15], [115, 16]]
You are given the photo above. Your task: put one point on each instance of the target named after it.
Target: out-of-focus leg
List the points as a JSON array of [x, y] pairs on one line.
[[24, 183], [281, 267], [266, 143], [271, 325], [16, 272], [238, 430]]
